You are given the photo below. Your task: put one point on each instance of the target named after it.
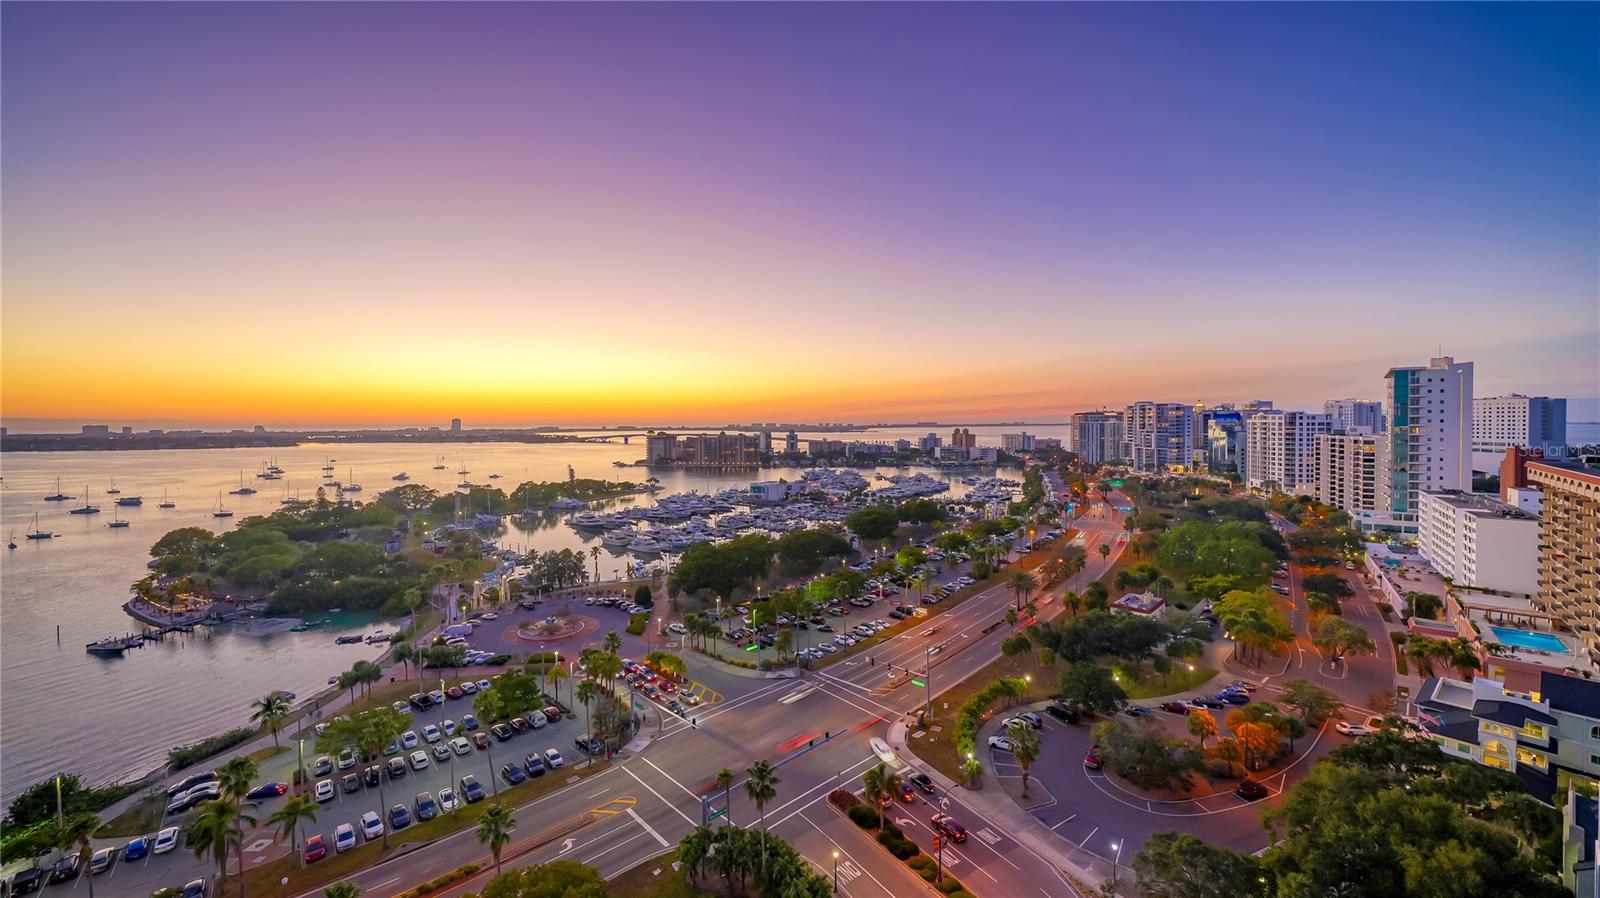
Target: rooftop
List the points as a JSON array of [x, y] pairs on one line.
[[1481, 504]]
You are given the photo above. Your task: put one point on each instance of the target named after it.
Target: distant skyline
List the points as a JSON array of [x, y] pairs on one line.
[[349, 214]]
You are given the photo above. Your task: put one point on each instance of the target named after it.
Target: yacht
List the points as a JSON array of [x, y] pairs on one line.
[[352, 486], [36, 533], [438, 465], [587, 520], [86, 508], [242, 490], [165, 502], [110, 490], [130, 501], [218, 511], [58, 495], [644, 544], [401, 476], [464, 485], [494, 476], [116, 522], [619, 539], [567, 503]]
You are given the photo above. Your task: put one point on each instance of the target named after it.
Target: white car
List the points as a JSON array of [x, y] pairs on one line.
[[419, 760], [402, 707], [461, 746], [449, 727], [437, 696], [469, 687], [1353, 730], [553, 759], [484, 684], [490, 615], [371, 826], [408, 739], [166, 840], [448, 800], [430, 733], [677, 628], [1002, 743], [324, 791], [344, 838], [537, 720], [347, 759]]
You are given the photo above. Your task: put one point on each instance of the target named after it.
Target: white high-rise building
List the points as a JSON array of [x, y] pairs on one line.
[[1097, 437], [1478, 541], [1280, 449], [1355, 415], [1427, 444], [1532, 422], [1159, 434], [1347, 473]]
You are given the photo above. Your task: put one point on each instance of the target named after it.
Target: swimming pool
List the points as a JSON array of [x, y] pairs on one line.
[[1528, 640]]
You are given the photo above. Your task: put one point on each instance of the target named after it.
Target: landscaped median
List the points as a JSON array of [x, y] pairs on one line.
[[264, 878], [895, 842]]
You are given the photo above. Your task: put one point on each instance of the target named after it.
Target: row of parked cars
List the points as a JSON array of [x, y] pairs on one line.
[[70, 866]]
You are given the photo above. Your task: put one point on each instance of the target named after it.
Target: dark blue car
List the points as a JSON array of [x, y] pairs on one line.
[[136, 849], [399, 817]]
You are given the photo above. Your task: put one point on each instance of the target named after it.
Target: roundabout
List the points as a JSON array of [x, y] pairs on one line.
[[551, 628]]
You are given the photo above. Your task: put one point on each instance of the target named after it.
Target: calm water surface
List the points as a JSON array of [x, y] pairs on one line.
[[114, 718]]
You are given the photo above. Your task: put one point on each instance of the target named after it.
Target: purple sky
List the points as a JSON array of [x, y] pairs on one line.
[[597, 212]]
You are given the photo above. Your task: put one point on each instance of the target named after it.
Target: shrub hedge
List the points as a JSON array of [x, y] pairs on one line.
[[975, 707], [184, 755]]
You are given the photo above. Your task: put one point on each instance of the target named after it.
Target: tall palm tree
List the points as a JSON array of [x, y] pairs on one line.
[[405, 652], [287, 819], [215, 832], [1024, 747], [555, 673], [270, 712], [1105, 550], [693, 850], [595, 554], [1021, 584], [879, 783], [348, 681], [78, 830], [725, 780], [762, 786], [1073, 601], [586, 693], [235, 779], [495, 828], [613, 642], [342, 890]]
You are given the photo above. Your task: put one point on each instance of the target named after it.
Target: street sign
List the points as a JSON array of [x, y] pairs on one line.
[[717, 813], [919, 683]]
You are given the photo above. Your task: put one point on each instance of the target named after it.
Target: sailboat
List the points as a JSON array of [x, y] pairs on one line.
[[218, 511], [463, 472], [111, 490], [402, 476], [85, 508], [242, 490], [352, 486], [439, 464], [58, 495], [12, 544], [116, 522], [36, 533], [165, 502], [286, 500], [327, 467]]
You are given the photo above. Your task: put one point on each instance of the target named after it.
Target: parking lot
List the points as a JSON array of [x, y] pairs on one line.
[[436, 774]]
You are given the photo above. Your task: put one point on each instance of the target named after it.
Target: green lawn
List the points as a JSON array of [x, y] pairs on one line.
[[1152, 684], [655, 878]]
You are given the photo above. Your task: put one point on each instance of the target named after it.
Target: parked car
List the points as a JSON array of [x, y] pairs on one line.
[[166, 840], [1003, 743], [25, 882], [344, 838], [102, 860], [469, 722], [136, 849], [373, 776], [397, 768], [481, 741], [194, 888], [535, 764], [448, 800], [322, 766], [553, 759], [324, 790], [419, 760], [189, 782], [1250, 790], [1061, 712], [588, 744], [350, 783], [399, 817], [500, 731], [427, 808], [513, 774], [267, 790], [1353, 730], [471, 790], [1092, 760], [371, 826], [316, 848], [67, 868]]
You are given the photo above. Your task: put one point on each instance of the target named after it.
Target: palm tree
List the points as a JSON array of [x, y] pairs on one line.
[[349, 680], [595, 554], [495, 829], [1202, 724], [342, 890], [725, 780], [270, 712], [1105, 550], [1024, 747], [379, 727], [405, 653], [367, 673], [78, 830], [215, 832], [1021, 584], [762, 786], [287, 819], [235, 779], [693, 849], [1073, 601], [556, 673], [1463, 656], [612, 643], [875, 785], [586, 693]]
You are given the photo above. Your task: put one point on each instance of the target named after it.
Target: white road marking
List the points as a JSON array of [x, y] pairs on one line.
[[1064, 822], [1088, 837], [690, 820], [647, 827]]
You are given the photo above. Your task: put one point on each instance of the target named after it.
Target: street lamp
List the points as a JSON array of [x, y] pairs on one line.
[[836, 872], [1115, 862]]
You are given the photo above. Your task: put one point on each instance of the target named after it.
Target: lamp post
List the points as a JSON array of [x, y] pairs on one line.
[[1115, 862], [927, 680], [836, 872]]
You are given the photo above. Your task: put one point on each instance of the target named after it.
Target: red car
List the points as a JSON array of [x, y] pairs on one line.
[[316, 849], [1092, 760], [667, 685], [947, 826], [454, 692], [480, 740]]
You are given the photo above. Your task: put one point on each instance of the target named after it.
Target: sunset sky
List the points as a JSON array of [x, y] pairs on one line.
[[368, 213]]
